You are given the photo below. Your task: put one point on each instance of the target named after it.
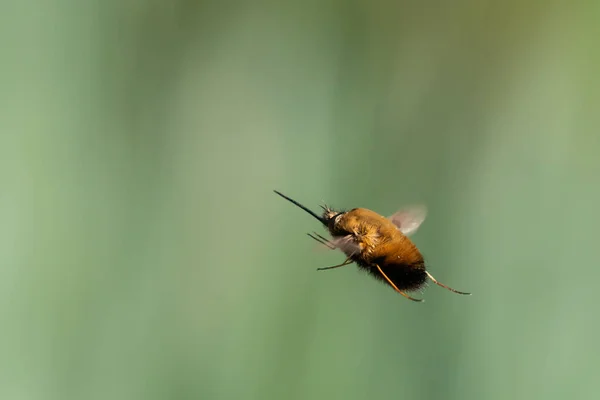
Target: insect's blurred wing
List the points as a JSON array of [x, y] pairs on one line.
[[409, 219], [346, 244]]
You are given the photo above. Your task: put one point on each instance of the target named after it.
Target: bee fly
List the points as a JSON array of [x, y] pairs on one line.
[[377, 244]]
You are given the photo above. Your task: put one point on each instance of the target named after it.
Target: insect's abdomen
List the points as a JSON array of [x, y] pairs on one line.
[[406, 277], [401, 262]]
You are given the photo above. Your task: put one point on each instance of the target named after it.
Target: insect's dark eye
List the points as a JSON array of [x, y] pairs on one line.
[[334, 225], [336, 217]]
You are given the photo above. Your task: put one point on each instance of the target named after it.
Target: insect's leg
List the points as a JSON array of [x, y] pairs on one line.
[[444, 286], [395, 288], [348, 261], [322, 240]]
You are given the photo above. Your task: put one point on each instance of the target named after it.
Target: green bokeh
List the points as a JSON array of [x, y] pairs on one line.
[[143, 254]]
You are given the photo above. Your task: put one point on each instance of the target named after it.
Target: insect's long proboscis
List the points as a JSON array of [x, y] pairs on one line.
[[318, 217]]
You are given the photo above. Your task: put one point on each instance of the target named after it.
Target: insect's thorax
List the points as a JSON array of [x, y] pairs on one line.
[[375, 238]]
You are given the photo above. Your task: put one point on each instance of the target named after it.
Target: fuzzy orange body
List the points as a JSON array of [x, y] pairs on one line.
[[378, 242]]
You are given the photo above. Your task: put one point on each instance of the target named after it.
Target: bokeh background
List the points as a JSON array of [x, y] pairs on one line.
[[143, 254]]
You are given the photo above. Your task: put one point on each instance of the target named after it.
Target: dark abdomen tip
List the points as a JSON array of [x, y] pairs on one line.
[[406, 277]]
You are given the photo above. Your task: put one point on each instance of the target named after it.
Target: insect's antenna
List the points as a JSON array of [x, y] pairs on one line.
[[321, 219], [444, 286]]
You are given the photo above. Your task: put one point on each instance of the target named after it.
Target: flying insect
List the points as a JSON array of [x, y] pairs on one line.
[[377, 244]]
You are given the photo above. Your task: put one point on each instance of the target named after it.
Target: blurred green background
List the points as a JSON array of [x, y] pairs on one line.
[[143, 254]]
